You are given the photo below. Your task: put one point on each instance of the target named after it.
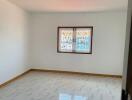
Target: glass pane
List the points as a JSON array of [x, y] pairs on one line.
[[83, 40], [66, 37]]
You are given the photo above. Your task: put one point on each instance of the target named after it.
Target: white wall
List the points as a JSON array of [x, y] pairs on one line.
[[13, 41], [108, 42]]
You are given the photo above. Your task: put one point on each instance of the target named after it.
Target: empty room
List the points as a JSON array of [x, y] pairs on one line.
[[64, 49]]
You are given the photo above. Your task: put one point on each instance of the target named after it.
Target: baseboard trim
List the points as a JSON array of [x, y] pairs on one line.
[[15, 78], [81, 73]]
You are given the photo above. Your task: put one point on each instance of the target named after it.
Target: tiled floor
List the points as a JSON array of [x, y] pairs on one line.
[[59, 86]]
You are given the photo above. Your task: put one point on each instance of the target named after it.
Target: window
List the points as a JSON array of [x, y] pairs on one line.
[[75, 40]]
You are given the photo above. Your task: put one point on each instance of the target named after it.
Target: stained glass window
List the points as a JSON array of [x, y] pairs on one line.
[[75, 39]]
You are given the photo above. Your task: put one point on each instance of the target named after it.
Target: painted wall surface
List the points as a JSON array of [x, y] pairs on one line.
[[13, 41], [108, 42]]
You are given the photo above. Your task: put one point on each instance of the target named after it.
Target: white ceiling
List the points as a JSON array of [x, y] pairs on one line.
[[71, 5]]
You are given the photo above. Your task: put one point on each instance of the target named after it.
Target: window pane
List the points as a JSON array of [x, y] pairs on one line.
[[66, 37], [83, 40]]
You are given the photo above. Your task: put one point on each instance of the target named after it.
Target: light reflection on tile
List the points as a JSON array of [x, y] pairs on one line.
[[64, 96], [79, 98]]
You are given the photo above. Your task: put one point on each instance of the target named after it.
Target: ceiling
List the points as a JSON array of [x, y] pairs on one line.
[[71, 5]]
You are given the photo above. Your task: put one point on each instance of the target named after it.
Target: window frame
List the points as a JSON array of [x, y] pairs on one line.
[[74, 27]]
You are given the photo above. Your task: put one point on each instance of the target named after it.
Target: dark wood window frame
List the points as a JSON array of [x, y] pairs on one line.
[[58, 32]]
